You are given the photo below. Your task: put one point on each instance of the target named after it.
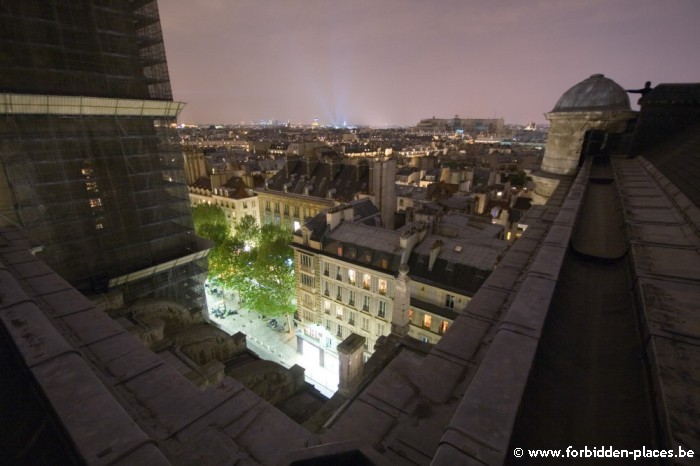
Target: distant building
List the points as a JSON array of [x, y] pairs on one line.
[[306, 187], [472, 126], [234, 197]]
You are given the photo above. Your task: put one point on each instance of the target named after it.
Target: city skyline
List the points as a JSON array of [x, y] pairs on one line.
[[396, 62]]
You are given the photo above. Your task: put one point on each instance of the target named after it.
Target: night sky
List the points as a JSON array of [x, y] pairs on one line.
[[391, 62]]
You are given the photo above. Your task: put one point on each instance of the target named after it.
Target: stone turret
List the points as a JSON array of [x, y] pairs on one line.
[[587, 115]]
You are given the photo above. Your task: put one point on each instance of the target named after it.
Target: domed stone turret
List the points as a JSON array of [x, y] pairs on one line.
[[596, 93], [593, 110]]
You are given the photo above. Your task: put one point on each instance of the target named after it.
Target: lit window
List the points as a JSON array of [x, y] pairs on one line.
[[351, 276], [427, 321], [96, 202], [366, 281], [326, 306], [382, 286], [443, 327], [339, 312]]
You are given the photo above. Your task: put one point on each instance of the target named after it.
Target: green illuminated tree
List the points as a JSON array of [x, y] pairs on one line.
[[257, 263], [210, 223]]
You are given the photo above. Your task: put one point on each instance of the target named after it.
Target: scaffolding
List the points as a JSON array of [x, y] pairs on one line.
[[92, 168], [108, 48]]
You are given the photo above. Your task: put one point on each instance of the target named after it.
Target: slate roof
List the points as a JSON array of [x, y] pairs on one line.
[[366, 246], [461, 203], [414, 192], [441, 190], [203, 182], [321, 177], [447, 272], [675, 93], [365, 213], [666, 111], [406, 171], [668, 134], [236, 188]]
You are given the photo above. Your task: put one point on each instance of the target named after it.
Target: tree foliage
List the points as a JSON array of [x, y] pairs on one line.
[[210, 222], [257, 263]]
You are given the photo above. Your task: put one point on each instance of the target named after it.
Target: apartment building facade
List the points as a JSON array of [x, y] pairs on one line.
[[349, 273]]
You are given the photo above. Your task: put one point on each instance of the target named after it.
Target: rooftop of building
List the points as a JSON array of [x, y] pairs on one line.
[[339, 181]]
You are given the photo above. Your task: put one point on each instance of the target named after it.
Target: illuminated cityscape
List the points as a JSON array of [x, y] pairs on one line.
[[379, 251]]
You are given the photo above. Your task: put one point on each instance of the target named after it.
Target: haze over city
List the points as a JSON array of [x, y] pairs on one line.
[[394, 62]]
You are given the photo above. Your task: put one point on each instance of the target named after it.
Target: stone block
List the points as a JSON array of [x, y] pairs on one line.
[[483, 422], [528, 311]]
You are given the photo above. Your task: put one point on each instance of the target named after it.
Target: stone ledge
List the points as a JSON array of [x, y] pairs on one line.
[[483, 422]]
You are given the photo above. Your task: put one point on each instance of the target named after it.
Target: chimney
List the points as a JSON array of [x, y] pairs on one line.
[[333, 217], [434, 251], [402, 302], [350, 364]]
